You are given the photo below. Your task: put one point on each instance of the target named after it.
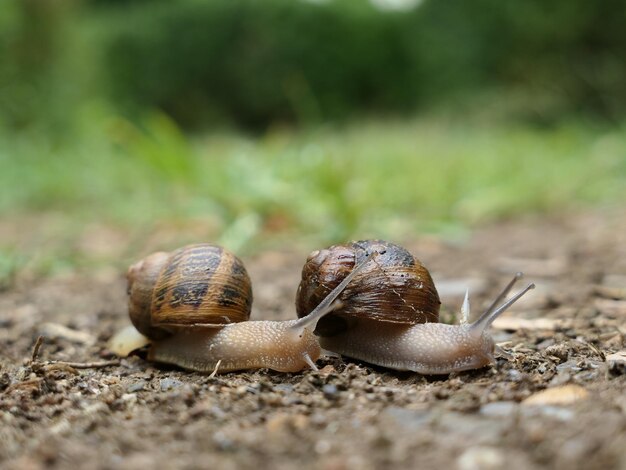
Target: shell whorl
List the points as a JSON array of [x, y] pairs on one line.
[[396, 288], [196, 284]]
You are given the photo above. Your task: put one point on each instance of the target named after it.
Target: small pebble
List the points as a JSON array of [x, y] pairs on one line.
[[481, 458], [556, 412], [286, 388], [560, 351], [330, 391], [499, 409], [286, 422], [617, 363], [169, 384], [613, 287], [223, 442], [410, 420], [58, 331], [322, 446], [563, 395], [546, 343], [534, 324], [129, 399], [478, 429], [326, 370], [618, 357], [569, 366], [5, 381], [515, 375], [138, 386]]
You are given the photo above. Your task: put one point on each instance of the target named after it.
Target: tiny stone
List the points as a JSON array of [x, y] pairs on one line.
[[613, 287], [545, 344], [569, 366], [318, 419], [223, 442], [286, 388], [411, 420], [218, 413], [563, 395], [137, 386], [515, 375], [481, 458], [277, 423], [330, 391], [283, 422], [477, 428], [556, 412], [499, 409], [618, 357], [559, 351], [5, 381], [168, 384], [617, 363], [561, 378], [322, 447]]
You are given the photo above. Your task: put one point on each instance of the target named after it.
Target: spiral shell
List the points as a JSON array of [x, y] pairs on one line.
[[396, 288], [196, 284]]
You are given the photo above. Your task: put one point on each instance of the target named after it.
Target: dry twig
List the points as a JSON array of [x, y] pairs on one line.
[[36, 348], [217, 366], [83, 365], [24, 384], [65, 364]]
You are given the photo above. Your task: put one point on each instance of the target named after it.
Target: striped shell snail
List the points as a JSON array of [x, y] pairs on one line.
[[192, 306]]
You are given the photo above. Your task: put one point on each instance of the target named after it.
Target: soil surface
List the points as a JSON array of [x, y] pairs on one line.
[[563, 337]]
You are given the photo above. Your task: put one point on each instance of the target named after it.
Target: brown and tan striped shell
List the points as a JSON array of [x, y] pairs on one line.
[[395, 288], [196, 284]]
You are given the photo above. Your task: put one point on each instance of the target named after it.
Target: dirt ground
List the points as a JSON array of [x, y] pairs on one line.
[[348, 415]]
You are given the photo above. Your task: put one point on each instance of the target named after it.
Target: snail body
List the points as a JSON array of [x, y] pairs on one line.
[[276, 345], [424, 346], [192, 306]]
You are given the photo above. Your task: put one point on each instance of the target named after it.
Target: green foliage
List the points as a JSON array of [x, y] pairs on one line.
[[10, 263], [256, 63], [386, 180], [97, 98], [34, 90], [253, 63]]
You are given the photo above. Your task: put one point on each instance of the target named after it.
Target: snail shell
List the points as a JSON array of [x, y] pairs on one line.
[[196, 284], [395, 288]]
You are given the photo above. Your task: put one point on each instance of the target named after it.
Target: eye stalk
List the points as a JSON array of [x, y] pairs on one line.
[[495, 310]]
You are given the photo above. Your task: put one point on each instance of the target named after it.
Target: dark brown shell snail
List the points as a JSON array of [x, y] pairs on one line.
[[390, 312]]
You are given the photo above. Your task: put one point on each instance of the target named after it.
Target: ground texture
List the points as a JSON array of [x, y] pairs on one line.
[[563, 337]]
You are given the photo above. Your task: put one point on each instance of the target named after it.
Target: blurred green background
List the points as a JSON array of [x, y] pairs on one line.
[[127, 125]]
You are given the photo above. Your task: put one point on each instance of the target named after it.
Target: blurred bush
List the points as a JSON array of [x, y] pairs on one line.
[[253, 62], [29, 51]]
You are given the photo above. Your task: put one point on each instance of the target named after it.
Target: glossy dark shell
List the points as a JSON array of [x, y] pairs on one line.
[[196, 284], [395, 288]]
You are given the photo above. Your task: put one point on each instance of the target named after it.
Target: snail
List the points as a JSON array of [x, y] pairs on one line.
[[390, 312], [192, 307]]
